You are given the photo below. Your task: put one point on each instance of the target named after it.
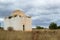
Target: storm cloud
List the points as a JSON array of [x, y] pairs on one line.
[[42, 11]]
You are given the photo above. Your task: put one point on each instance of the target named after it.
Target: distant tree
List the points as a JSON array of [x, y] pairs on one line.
[[38, 27], [1, 28], [10, 28], [58, 27], [53, 26]]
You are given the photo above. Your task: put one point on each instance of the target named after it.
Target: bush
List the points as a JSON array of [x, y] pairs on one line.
[[1, 28], [10, 28], [53, 26], [38, 27], [58, 27]]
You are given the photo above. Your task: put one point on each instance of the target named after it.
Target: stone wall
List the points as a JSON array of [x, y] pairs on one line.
[[17, 20]]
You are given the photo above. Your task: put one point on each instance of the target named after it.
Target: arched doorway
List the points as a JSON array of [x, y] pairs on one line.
[[23, 27]]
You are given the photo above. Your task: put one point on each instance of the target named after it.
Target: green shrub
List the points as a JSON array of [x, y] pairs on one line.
[[38, 27], [58, 27], [1, 28], [53, 26]]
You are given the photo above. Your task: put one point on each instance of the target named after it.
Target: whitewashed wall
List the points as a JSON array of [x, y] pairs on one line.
[[28, 24], [14, 22], [18, 22]]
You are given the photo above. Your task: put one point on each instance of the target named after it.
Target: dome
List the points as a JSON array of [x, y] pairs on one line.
[[18, 12]]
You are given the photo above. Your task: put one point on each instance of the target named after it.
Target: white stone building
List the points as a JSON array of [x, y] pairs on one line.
[[18, 21]]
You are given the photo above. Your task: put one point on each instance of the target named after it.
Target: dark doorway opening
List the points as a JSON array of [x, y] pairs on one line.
[[23, 27]]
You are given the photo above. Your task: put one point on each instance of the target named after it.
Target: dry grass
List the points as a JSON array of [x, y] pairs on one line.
[[35, 35], [46, 34], [15, 35]]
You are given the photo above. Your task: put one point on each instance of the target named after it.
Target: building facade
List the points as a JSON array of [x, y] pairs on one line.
[[18, 21]]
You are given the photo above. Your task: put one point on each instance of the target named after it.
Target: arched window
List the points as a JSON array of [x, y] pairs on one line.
[[10, 17], [19, 15], [15, 15]]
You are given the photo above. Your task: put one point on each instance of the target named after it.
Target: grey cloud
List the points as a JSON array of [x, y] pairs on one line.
[[4, 13], [38, 22], [47, 12]]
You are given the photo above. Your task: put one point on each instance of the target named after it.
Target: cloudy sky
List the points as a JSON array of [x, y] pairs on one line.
[[42, 11]]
